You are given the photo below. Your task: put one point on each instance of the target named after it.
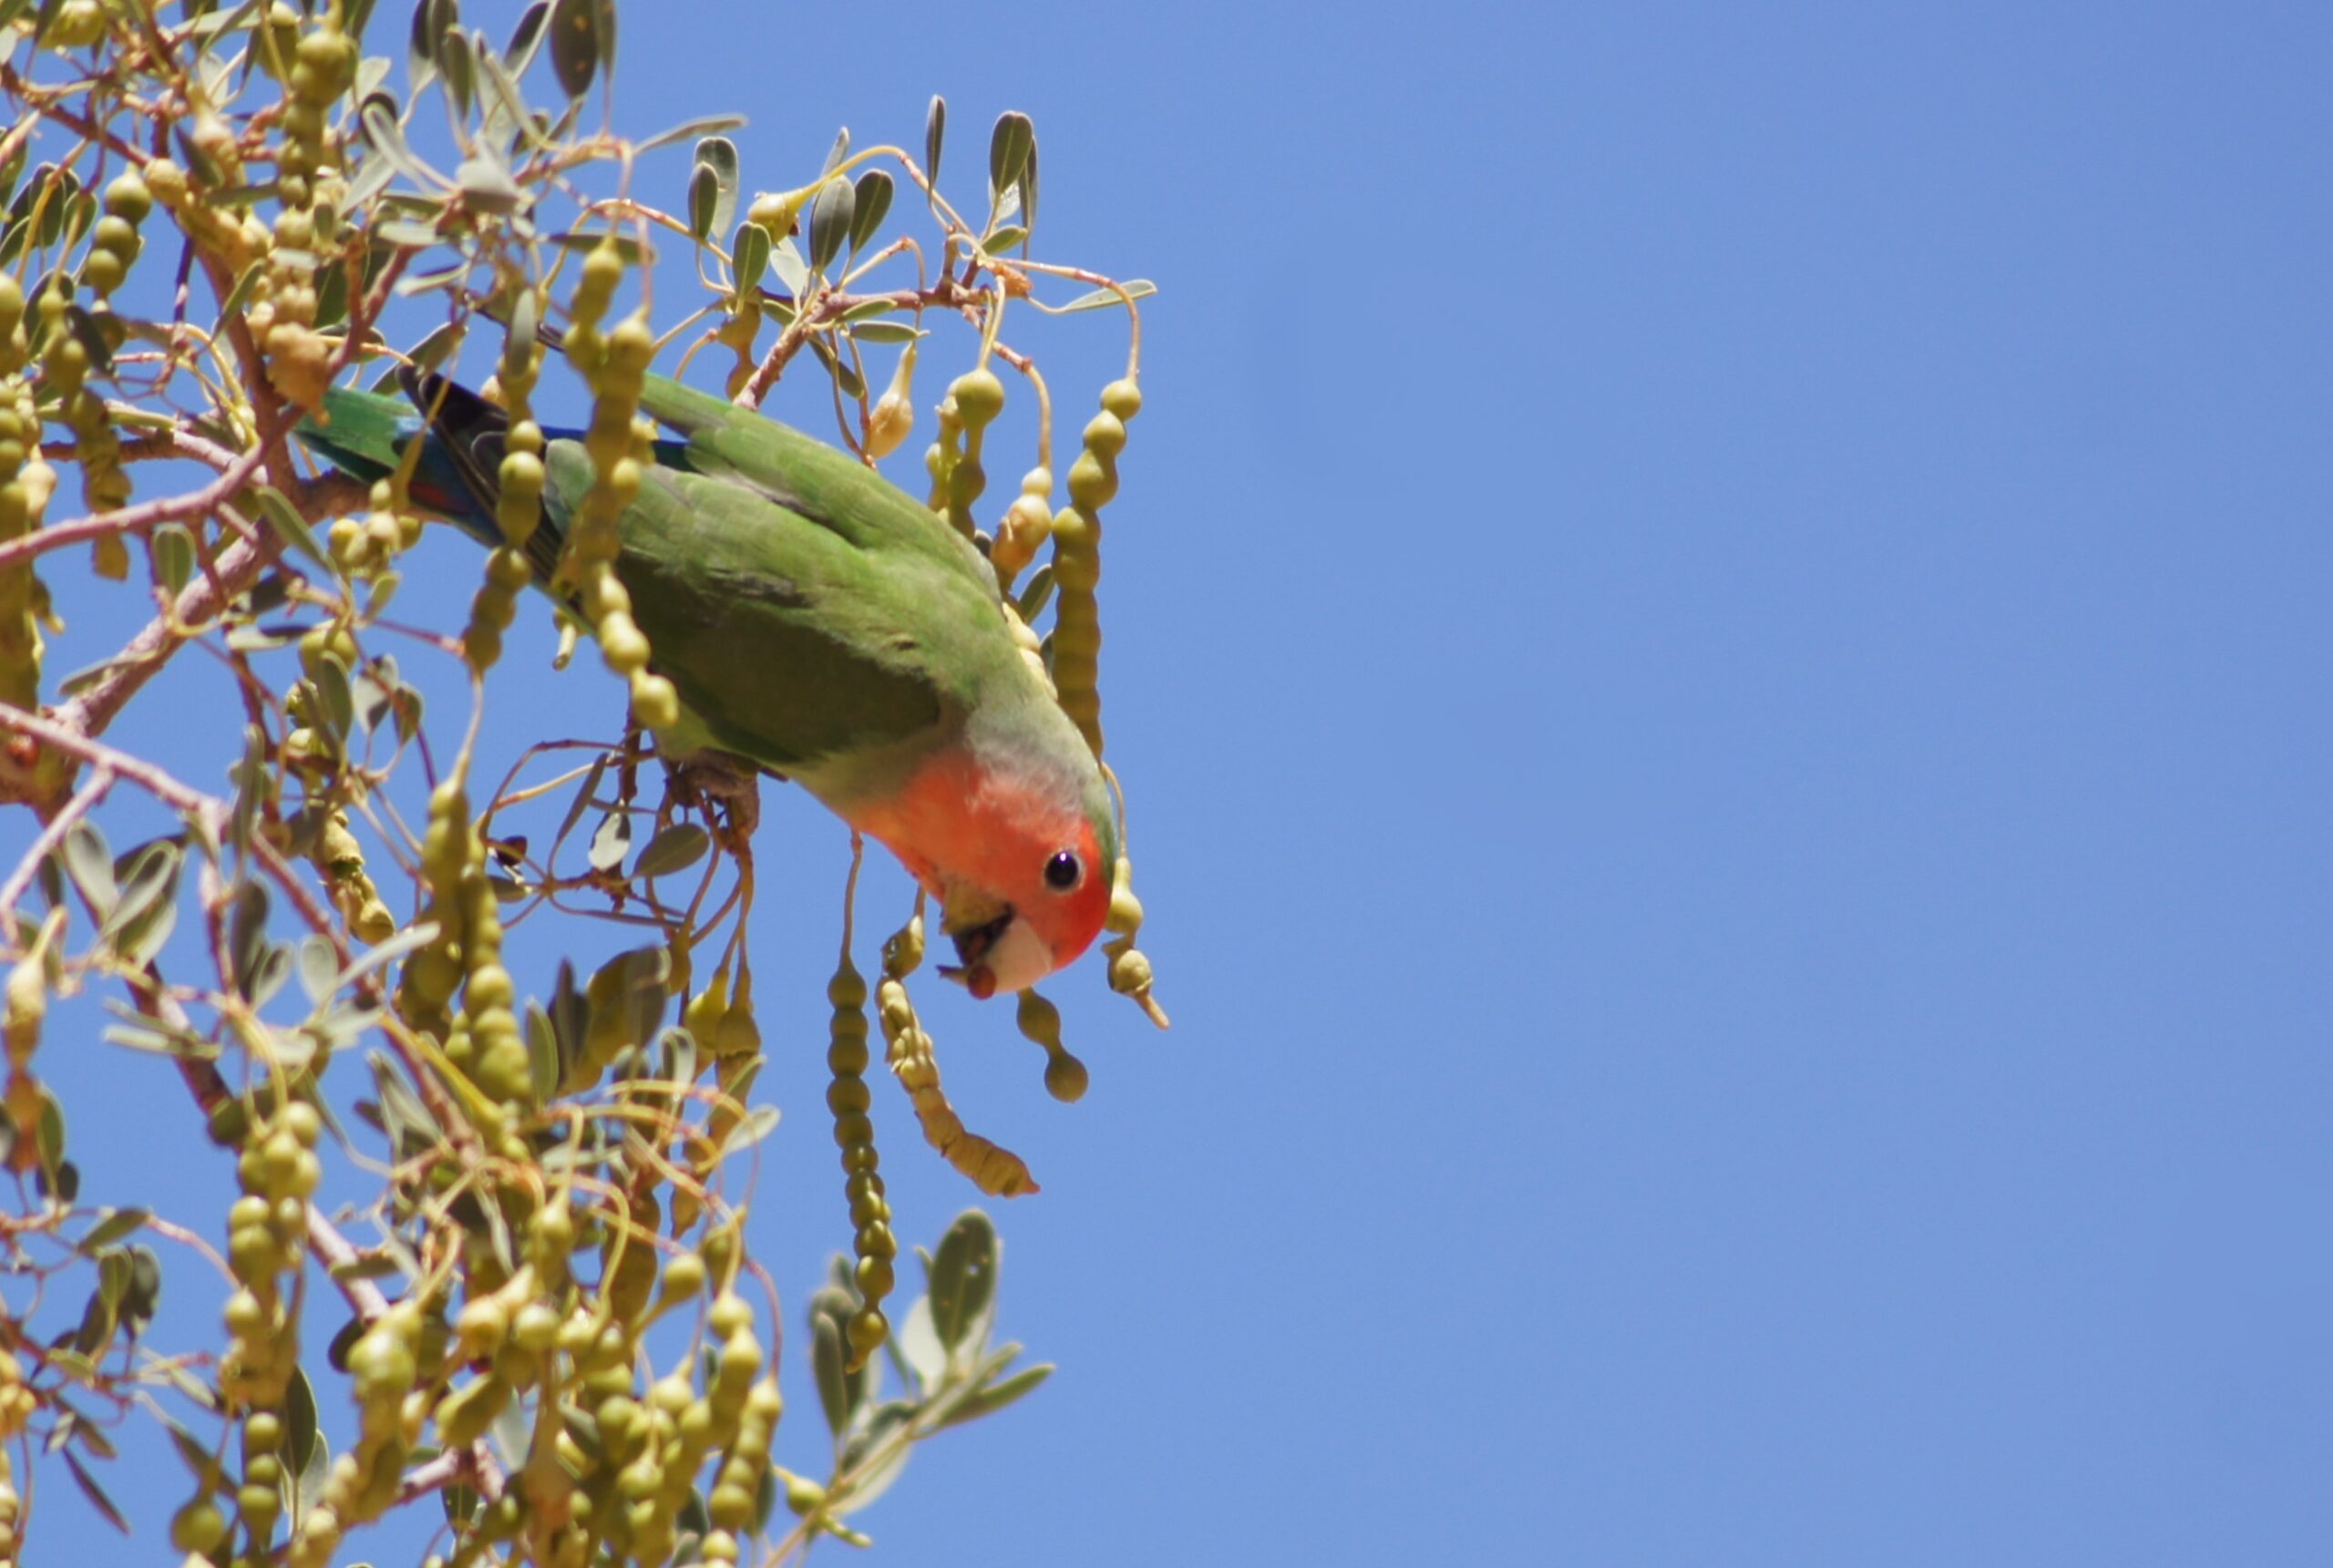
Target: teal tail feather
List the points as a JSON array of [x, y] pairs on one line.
[[365, 435]]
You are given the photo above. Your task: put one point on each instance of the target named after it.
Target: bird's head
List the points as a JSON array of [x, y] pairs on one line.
[[1020, 858]]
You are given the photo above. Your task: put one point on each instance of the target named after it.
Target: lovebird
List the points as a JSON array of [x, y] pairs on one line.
[[820, 624]]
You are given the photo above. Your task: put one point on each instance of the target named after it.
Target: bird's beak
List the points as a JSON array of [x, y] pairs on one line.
[[976, 924]]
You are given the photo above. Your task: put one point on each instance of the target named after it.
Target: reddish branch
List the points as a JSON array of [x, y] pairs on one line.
[[828, 309]]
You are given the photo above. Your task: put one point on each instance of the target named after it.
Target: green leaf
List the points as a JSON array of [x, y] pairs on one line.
[[845, 377], [172, 549], [431, 20], [677, 1047], [1004, 240], [377, 121], [526, 37], [88, 861], [1029, 186], [113, 1283], [419, 934], [707, 126], [95, 1494], [284, 518], [748, 257], [871, 1481], [575, 47], [507, 120], [613, 841], [717, 154], [830, 214], [145, 1292], [197, 1458], [336, 696], [963, 1276], [1008, 152], [1103, 299], [570, 1016], [111, 1226], [753, 1127], [141, 922], [918, 1346], [543, 1066], [1034, 594], [307, 1487], [162, 1039], [274, 969], [400, 233], [676, 848], [826, 1366], [300, 1436], [989, 1401], [319, 968], [884, 332], [606, 33], [874, 192], [427, 280], [247, 944], [791, 270], [457, 71], [704, 197], [935, 132], [839, 151], [582, 798], [765, 1499]]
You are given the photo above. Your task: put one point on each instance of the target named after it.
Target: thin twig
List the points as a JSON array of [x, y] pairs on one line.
[[828, 308], [20, 880]]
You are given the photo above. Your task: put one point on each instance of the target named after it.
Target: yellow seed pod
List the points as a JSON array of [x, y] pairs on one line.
[[463, 1415], [197, 1528], [79, 23], [28, 1004], [622, 644], [705, 1009], [1028, 522], [128, 198], [683, 1277], [1040, 1020], [894, 414], [654, 702], [775, 212], [1124, 915]]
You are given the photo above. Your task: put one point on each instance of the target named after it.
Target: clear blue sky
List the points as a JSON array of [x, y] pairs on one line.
[[1718, 632]]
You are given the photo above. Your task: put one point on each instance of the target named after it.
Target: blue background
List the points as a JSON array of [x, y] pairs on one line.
[[1717, 634]]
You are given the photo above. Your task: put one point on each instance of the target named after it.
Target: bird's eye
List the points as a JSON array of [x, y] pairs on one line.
[[1063, 872]]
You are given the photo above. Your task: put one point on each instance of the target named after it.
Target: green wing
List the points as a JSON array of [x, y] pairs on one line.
[[815, 618]]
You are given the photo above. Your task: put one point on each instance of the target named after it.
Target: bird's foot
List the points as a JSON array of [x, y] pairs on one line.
[[705, 779]]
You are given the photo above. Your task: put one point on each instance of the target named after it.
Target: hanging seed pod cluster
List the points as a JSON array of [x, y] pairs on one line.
[[298, 295]]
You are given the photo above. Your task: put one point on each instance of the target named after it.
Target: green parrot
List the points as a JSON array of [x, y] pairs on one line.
[[822, 625]]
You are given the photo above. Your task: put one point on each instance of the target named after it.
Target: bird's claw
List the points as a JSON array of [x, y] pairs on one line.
[[710, 777]]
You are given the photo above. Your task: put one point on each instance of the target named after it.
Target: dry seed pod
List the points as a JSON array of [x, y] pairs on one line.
[[995, 1169]]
